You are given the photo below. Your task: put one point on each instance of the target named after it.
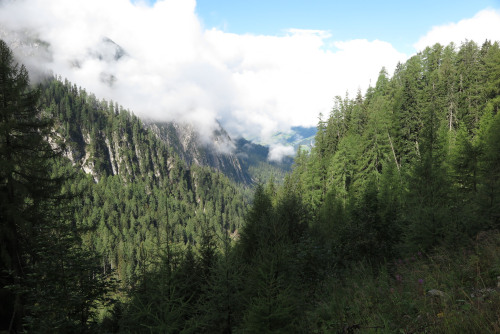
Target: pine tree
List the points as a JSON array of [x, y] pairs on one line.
[[48, 282], [429, 195], [24, 176]]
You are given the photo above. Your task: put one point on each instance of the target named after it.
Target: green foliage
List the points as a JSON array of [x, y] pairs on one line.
[[47, 281], [447, 292], [489, 188], [411, 167], [163, 300], [422, 135], [140, 195]]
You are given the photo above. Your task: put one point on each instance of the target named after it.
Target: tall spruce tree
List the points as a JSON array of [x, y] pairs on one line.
[[47, 282], [24, 178]]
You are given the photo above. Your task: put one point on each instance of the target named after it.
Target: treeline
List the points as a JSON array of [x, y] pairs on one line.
[[399, 195], [414, 163]]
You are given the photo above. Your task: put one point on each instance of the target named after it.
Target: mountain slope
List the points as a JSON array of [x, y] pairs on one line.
[[298, 136], [218, 153], [136, 195], [254, 160]]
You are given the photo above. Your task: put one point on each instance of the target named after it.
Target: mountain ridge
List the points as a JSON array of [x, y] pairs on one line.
[[97, 153]]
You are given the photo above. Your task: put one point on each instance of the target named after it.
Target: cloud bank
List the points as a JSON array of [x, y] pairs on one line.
[[163, 64], [278, 151]]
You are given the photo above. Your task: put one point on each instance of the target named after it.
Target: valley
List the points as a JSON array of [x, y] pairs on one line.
[[386, 219]]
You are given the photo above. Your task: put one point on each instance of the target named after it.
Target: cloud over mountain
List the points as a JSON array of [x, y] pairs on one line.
[[161, 62]]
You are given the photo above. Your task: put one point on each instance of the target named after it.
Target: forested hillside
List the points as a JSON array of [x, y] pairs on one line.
[[239, 159], [402, 195], [117, 192], [219, 153], [140, 192], [388, 224], [413, 163]]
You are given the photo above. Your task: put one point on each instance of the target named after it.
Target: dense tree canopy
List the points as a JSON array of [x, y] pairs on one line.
[[424, 134], [400, 194], [47, 281]]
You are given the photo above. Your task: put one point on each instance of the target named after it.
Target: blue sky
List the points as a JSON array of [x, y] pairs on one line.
[[399, 22], [237, 62]]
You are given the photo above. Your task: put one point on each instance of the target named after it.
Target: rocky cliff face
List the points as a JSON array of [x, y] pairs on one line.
[[104, 139], [219, 152]]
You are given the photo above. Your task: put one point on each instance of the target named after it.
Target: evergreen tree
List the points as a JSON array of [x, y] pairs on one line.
[[48, 282], [25, 180]]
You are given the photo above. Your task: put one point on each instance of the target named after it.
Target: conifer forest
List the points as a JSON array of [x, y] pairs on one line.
[[388, 223]]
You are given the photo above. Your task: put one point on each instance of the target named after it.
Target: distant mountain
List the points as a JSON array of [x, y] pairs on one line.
[[35, 51], [254, 160], [241, 160], [298, 136]]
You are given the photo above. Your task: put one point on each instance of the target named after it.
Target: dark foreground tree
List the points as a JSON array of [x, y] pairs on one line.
[[24, 178], [47, 283]]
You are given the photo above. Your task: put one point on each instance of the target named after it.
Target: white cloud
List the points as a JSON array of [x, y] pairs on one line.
[[484, 25], [278, 151], [174, 69], [285, 81]]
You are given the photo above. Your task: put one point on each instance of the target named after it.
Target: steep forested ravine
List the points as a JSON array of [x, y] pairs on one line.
[[138, 191], [121, 198], [388, 224]]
